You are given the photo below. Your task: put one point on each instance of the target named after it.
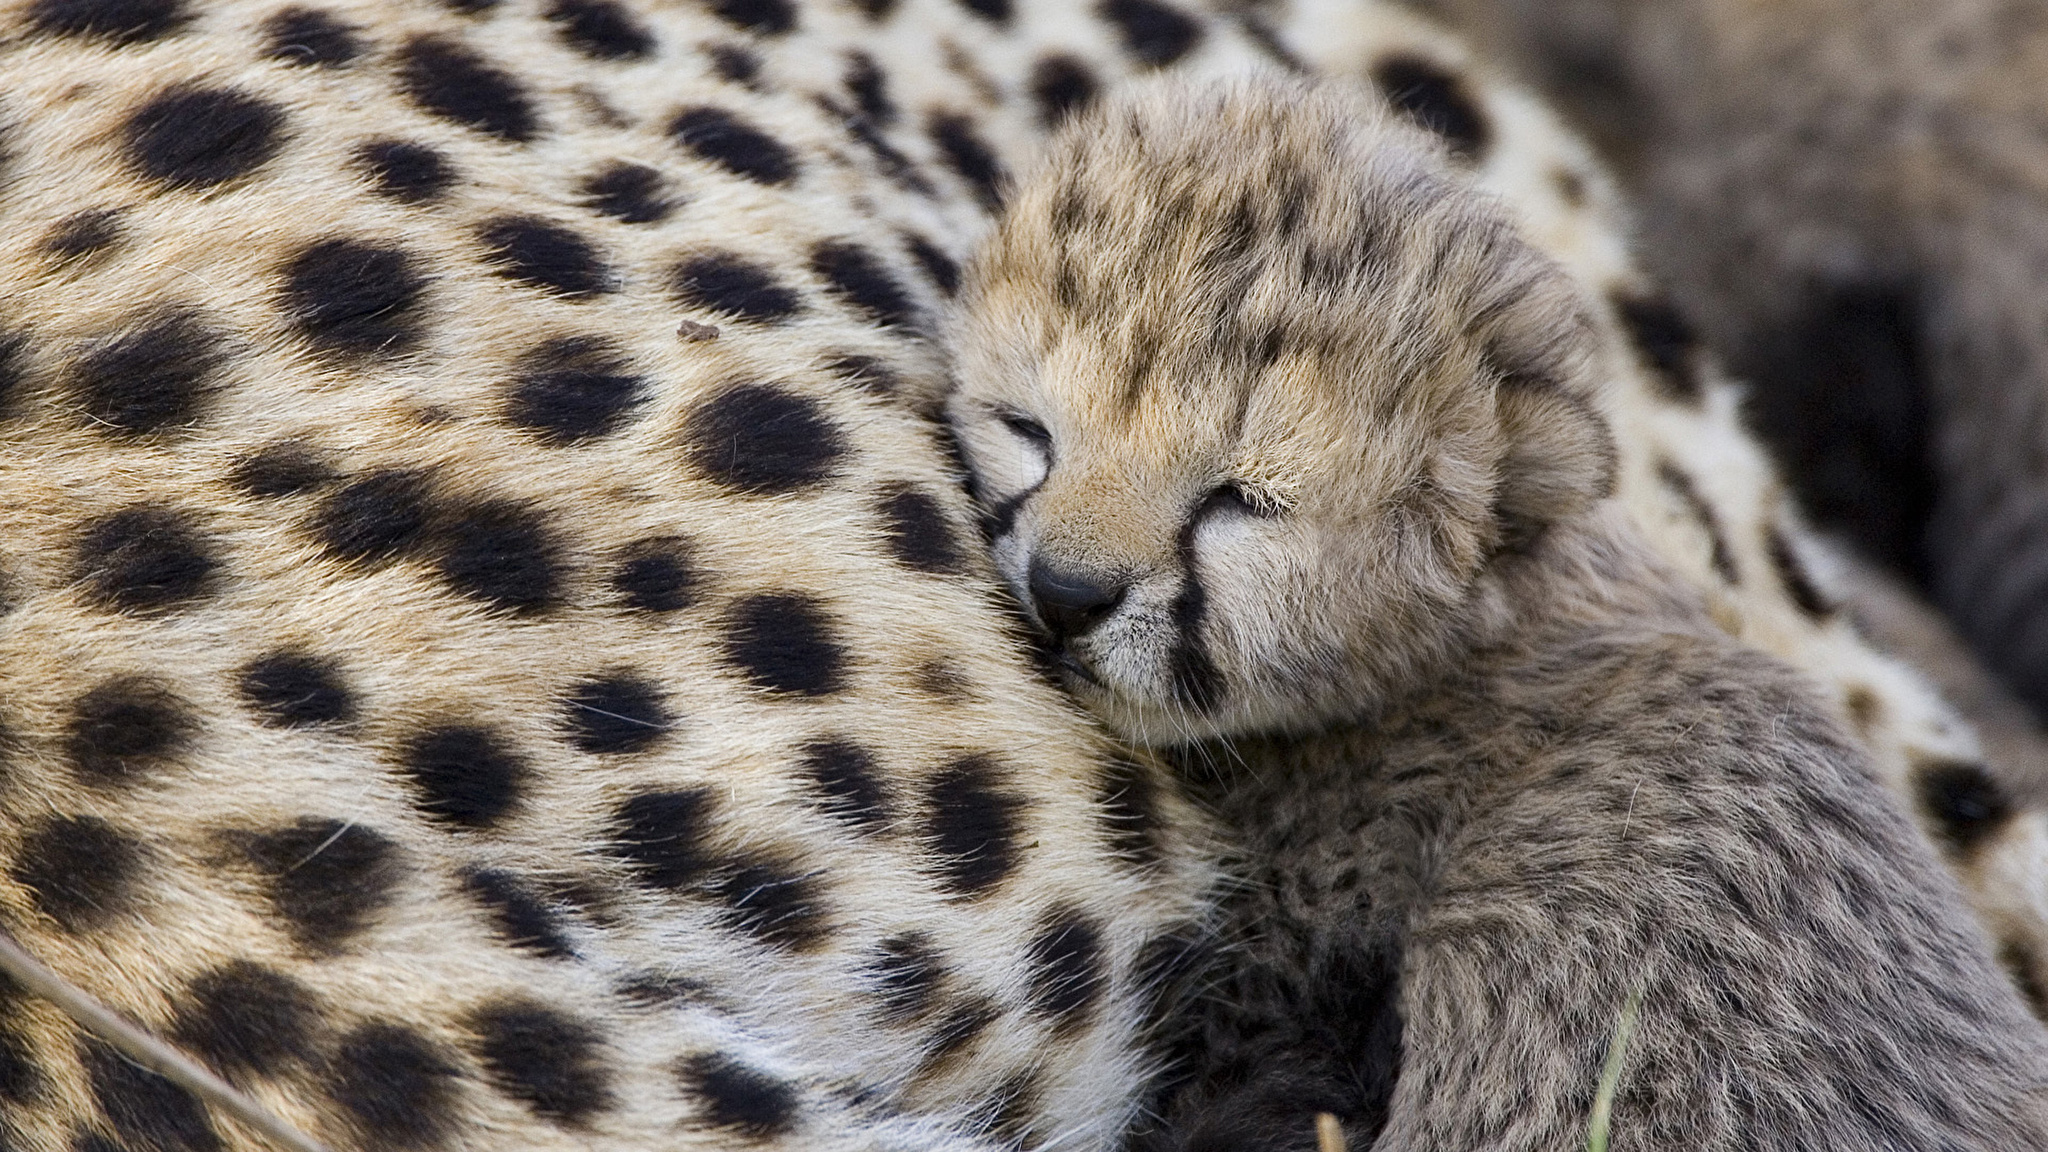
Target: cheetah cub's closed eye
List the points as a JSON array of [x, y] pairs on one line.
[[1293, 449]]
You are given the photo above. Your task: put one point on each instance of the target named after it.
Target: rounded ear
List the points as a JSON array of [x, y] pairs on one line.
[[1560, 457]]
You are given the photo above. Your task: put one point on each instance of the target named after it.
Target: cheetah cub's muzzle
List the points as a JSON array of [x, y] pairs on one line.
[[1257, 396]]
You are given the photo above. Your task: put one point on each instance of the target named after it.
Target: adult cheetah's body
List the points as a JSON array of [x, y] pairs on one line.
[[466, 711]]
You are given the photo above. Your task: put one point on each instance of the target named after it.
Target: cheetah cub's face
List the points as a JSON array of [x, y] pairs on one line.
[[1257, 396]]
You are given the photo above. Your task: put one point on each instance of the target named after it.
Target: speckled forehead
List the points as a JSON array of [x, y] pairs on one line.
[[1182, 406]]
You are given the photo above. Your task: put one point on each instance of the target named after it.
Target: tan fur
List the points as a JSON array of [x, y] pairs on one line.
[[1846, 195], [1717, 525], [933, 670], [1444, 670]]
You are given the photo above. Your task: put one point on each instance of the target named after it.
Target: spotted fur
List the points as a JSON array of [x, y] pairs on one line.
[[1272, 391], [494, 651], [1846, 195]]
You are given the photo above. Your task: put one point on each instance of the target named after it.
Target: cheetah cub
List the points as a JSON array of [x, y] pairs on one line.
[[1292, 449]]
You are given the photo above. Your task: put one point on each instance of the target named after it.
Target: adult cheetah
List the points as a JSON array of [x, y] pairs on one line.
[[494, 652]]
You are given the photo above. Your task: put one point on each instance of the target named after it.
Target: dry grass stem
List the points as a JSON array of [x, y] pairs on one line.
[[145, 1049]]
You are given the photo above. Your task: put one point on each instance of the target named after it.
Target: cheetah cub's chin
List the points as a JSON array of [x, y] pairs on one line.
[[1284, 429], [1253, 440]]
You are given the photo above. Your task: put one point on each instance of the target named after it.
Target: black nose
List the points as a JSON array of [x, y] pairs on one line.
[[1071, 602]]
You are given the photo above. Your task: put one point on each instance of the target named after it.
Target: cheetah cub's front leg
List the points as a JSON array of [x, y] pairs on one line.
[[1291, 450]]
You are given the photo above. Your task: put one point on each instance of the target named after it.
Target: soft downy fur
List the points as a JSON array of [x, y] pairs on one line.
[[1293, 449], [1851, 197], [743, 821]]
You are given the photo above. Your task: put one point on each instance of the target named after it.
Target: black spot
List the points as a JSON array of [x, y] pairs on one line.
[[994, 11], [144, 559], [374, 518], [657, 574], [964, 151], [876, 10], [665, 989], [907, 972], [723, 282], [293, 689], [125, 728], [83, 234], [150, 377], [1680, 484], [354, 298], [1261, 34], [1437, 100], [13, 346], [865, 373], [738, 1098], [764, 441], [544, 1057], [545, 255], [464, 773], [519, 916], [1792, 573], [601, 29], [785, 643], [247, 1021], [1841, 391], [117, 21], [2017, 957], [862, 131], [469, 7], [501, 552], [1130, 811], [306, 36], [1667, 344], [78, 870], [197, 137], [768, 17], [1152, 32], [285, 468], [768, 899], [630, 192], [661, 833], [1062, 86], [943, 270], [919, 534], [145, 1110], [573, 389], [408, 173], [399, 1089], [729, 142], [734, 63], [1170, 961], [616, 713], [1066, 963], [973, 825], [956, 1029], [844, 775], [1967, 805], [456, 84], [870, 88], [942, 679], [327, 878], [855, 274], [22, 1080]]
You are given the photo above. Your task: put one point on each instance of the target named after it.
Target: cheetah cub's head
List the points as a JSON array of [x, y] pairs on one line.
[[1261, 398]]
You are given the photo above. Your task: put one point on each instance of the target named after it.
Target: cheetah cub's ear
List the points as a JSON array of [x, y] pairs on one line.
[[1261, 395], [1560, 455]]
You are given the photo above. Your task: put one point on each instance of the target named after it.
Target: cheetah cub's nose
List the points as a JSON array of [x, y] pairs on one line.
[[1071, 602]]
